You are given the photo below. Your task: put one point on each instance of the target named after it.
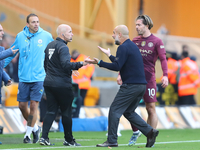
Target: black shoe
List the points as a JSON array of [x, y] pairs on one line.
[[36, 135], [27, 140], [106, 144], [45, 142], [151, 137], [72, 143]]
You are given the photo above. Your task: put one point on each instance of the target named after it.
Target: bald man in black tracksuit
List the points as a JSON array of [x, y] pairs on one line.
[[58, 85]]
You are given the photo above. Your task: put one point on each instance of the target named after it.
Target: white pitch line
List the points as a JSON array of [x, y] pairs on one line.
[[166, 142], [49, 147], [61, 139]]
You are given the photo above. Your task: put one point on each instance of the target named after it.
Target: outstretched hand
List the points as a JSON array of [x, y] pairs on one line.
[[94, 61], [105, 51], [14, 51], [85, 61]]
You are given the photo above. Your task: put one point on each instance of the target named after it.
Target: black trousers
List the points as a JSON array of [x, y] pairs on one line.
[[43, 108], [58, 98], [83, 93], [186, 100]]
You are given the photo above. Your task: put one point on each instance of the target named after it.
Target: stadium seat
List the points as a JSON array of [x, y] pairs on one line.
[[11, 95], [92, 97]]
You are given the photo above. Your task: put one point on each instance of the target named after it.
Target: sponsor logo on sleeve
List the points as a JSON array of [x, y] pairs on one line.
[[162, 46]]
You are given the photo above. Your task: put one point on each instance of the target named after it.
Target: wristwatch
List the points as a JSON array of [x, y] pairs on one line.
[[81, 62]]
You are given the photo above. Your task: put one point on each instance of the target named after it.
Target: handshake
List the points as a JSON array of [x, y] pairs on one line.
[[96, 60], [90, 61]]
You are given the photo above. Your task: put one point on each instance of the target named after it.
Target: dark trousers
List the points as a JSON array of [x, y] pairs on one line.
[[58, 98], [125, 103], [43, 108], [186, 100], [83, 93]]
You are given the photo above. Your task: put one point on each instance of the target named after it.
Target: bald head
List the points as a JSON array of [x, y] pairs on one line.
[[123, 30], [62, 28], [64, 32], [120, 34]]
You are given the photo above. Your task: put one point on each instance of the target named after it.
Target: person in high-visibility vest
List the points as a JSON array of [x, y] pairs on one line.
[[189, 80], [85, 73], [173, 66]]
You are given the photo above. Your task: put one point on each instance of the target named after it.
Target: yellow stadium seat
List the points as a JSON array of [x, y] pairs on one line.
[[92, 96], [11, 95]]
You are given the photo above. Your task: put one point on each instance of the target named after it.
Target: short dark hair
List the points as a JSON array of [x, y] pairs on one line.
[[185, 47], [74, 51], [146, 20], [30, 15]]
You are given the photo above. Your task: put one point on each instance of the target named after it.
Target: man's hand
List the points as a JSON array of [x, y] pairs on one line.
[[85, 61], [14, 51], [9, 82], [94, 61], [119, 80], [75, 73], [107, 52], [164, 81]]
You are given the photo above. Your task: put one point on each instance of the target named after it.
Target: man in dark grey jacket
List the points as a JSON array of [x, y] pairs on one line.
[[58, 84]]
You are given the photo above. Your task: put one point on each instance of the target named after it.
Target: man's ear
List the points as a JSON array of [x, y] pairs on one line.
[[120, 34]]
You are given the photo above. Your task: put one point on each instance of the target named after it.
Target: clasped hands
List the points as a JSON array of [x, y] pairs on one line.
[[96, 60]]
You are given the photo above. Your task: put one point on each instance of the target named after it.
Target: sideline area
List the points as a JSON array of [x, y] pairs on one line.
[[95, 119]]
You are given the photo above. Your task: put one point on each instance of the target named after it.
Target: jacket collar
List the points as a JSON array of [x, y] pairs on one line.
[[61, 40], [27, 33]]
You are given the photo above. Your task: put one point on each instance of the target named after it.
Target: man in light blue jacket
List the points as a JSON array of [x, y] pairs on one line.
[[31, 43], [3, 54]]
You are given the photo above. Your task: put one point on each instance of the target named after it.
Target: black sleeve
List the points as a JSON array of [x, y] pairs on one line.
[[65, 58], [117, 62], [46, 59]]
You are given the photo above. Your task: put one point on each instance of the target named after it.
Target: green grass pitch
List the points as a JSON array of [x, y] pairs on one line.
[[173, 139]]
